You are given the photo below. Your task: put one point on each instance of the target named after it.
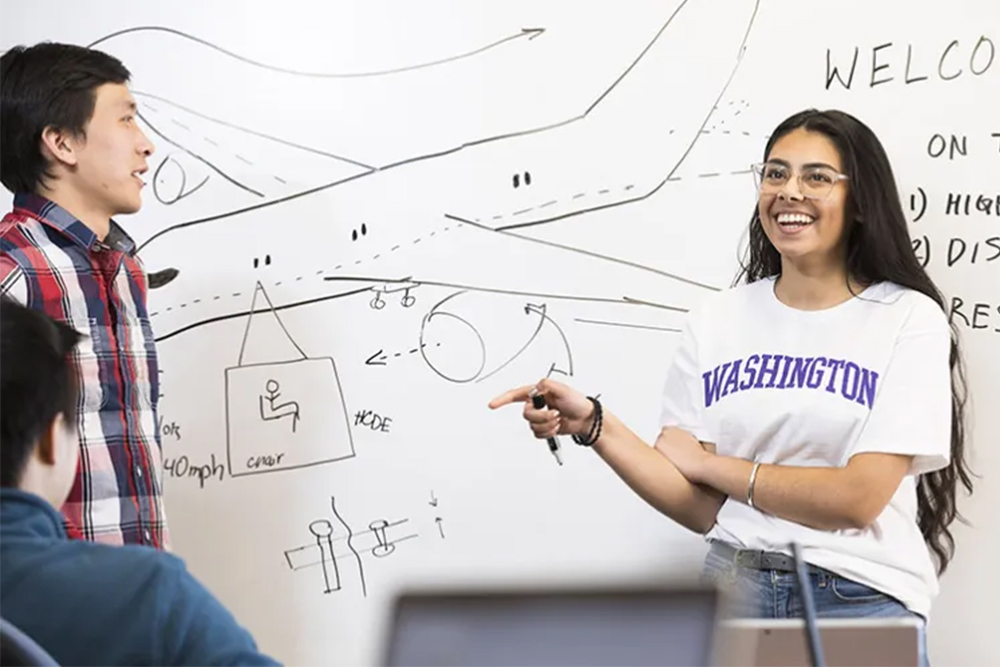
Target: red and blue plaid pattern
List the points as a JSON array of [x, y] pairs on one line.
[[51, 261]]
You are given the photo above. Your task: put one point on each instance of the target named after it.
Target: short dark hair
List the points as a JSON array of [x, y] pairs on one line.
[[46, 85], [37, 383]]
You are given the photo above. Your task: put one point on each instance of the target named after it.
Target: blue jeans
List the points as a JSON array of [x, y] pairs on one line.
[[774, 594]]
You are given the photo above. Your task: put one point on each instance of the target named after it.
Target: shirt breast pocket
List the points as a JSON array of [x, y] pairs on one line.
[[142, 361], [91, 393]]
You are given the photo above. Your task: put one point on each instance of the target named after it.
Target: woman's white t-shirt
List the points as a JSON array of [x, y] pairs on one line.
[[766, 382]]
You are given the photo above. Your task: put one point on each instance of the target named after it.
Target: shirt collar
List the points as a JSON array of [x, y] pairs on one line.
[[52, 214], [25, 514]]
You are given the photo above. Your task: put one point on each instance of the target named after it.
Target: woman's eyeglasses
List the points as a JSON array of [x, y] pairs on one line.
[[815, 182]]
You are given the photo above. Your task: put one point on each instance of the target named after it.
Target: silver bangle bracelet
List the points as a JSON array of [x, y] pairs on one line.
[[753, 480]]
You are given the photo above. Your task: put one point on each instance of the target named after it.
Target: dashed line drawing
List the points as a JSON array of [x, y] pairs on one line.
[[377, 303], [198, 157], [338, 550], [669, 179], [216, 121], [375, 284], [381, 357], [553, 202]]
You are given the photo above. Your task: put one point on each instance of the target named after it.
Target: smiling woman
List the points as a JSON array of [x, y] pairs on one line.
[[858, 457], [803, 217], [854, 236]]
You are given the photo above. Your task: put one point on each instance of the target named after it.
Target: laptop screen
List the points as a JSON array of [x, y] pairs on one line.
[[665, 627]]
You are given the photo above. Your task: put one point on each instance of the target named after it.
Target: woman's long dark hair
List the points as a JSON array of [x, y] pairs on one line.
[[879, 249]]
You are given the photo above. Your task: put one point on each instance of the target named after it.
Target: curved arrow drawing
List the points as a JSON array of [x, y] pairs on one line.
[[478, 376], [541, 311], [545, 318], [527, 344], [530, 33]]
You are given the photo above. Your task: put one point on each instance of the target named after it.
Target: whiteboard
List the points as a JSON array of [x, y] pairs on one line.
[[384, 214]]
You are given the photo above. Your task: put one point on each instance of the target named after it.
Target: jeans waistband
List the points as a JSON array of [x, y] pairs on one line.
[[755, 559]]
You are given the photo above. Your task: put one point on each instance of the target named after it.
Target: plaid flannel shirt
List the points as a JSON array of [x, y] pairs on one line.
[[52, 262]]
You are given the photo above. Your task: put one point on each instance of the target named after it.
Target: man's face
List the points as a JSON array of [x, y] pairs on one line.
[[112, 157]]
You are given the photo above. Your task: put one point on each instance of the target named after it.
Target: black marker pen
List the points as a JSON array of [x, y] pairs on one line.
[[539, 402]]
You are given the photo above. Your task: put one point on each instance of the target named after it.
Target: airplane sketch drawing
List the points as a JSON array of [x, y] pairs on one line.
[[246, 164], [338, 549], [428, 240], [276, 410]]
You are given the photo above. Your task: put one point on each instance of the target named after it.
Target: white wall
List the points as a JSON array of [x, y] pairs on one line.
[[484, 502]]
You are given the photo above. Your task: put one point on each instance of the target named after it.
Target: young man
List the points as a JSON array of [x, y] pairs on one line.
[[74, 156], [84, 603]]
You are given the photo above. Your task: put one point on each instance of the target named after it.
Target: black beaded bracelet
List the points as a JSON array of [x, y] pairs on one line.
[[595, 429]]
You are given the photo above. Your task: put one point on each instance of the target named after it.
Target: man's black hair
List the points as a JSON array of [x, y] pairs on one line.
[[37, 383], [46, 85]]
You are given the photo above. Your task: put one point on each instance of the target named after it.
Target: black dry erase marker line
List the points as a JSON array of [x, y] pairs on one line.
[[539, 402]]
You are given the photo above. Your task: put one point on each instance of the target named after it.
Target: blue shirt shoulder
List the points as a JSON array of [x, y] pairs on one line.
[[88, 603]]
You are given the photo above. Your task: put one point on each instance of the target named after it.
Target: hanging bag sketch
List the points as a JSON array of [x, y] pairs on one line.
[[281, 413]]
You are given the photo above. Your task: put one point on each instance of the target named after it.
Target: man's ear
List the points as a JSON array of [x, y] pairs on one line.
[[48, 442], [60, 146]]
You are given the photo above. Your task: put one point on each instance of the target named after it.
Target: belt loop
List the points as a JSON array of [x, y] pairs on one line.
[[736, 556]]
